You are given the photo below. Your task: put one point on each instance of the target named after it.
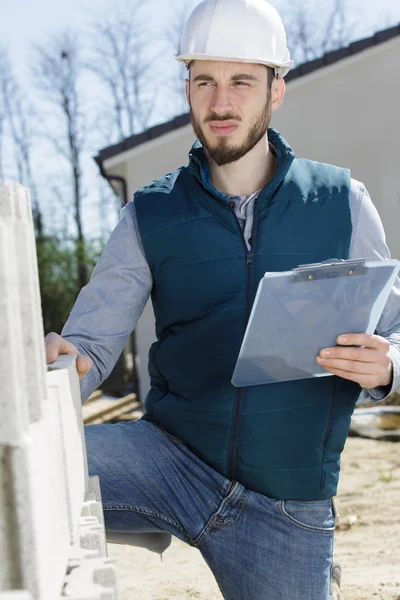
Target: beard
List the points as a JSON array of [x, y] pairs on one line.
[[223, 152]]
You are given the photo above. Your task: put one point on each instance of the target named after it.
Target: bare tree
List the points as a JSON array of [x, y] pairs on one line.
[[57, 75], [18, 115], [173, 36], [123, 59], [314, 29]]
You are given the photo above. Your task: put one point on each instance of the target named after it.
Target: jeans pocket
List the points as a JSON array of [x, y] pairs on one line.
[[312, 515], [227, 513]]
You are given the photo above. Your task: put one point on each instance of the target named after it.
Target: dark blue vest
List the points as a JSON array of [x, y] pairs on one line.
[[284, 439]]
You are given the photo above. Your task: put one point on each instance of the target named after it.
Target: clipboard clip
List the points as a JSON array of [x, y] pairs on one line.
[[331, 268]]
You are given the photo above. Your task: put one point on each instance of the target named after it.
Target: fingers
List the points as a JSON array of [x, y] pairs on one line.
[[56, 345], [375, 351], [83, 365], [350, 366], [363, 339], [374, 373], [370, 365], [350, 354]]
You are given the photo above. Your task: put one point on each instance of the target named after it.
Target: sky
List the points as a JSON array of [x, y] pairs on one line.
[[23, 22]]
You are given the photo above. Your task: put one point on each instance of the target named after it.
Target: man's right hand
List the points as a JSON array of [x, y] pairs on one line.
[[56, 345]]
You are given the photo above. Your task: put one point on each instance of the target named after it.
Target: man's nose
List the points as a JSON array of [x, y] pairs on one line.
[[221, 102]]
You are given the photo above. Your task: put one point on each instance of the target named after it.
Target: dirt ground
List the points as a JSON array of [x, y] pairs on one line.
[[367, 540]]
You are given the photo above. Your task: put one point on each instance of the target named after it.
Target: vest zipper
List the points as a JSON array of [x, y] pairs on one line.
[[249, 287], [249, 283]]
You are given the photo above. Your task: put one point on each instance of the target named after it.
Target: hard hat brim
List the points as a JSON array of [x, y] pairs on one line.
[[283, 67]]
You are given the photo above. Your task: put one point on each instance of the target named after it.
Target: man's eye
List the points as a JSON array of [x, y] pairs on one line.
[[204, 83], [242, 84]]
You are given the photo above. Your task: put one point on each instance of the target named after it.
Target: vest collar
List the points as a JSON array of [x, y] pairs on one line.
[[198, 165]]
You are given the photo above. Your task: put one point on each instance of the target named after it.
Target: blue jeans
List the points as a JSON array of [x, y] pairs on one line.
[[258, 548]]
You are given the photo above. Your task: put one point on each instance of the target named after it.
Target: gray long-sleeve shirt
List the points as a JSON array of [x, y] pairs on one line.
[[109, 306]]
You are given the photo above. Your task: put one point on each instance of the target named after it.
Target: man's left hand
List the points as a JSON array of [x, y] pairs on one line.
[[370, 366]]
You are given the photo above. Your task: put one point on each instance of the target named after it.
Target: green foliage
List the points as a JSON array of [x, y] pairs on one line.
[[59, 276]]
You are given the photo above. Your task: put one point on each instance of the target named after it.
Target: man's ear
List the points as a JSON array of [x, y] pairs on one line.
[[277, 93]]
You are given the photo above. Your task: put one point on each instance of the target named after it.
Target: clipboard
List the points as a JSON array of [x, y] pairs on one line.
[[297, 313]]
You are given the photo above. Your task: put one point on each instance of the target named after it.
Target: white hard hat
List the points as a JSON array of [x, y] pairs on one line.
[[248, 31]]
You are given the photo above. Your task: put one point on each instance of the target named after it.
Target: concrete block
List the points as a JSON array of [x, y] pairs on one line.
[[13, 398], [93, 580], [63, 387], [93, 493], [52, 536], [15, 212], [77, 554], [41, 507], [93, 490], [37, 508], [10, 575], [15, 595], [30, 305], [92, 535], [93, 509]]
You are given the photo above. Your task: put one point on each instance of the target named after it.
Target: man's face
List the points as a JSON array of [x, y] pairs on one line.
[[230, 107]]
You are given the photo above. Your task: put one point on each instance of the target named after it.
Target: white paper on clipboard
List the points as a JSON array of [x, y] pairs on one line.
[[297, 313]]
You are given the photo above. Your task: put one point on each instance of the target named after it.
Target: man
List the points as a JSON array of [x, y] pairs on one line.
[[245, 475]]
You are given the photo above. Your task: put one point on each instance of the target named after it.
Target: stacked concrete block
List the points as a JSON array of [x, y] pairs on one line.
[[93, 580], [39, 504], [15, 595], [90, 574], [18, 409], [22, 289], [63, 390], [52, 543]]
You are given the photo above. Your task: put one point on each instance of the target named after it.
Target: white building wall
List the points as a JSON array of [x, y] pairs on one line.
[[345, 114], [348, 114]]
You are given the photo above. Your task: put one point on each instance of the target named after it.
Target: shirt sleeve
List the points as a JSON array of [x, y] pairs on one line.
[[369, 241], [109, 306]]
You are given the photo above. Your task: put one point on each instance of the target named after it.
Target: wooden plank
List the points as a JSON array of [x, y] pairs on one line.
[[95, 396], [103, 410]]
